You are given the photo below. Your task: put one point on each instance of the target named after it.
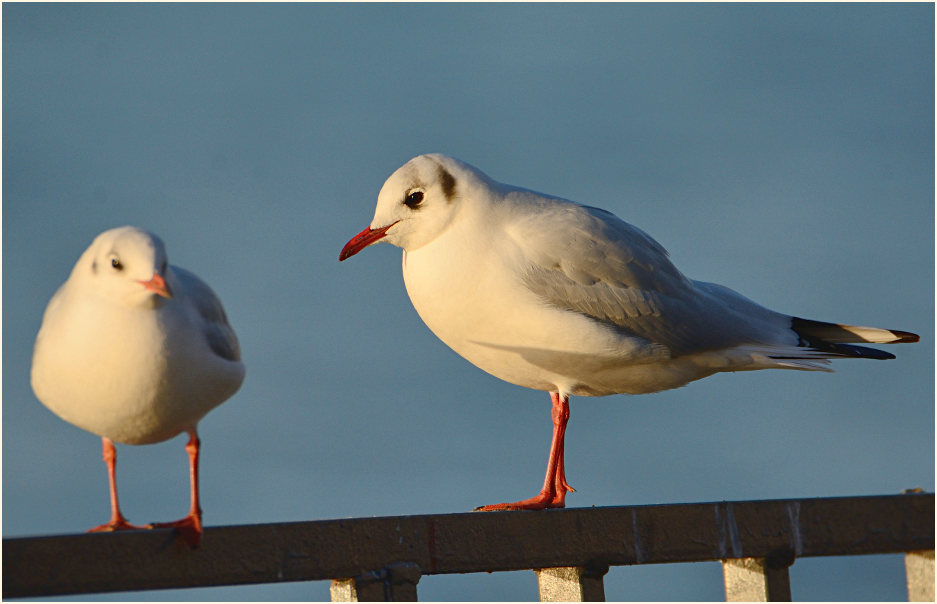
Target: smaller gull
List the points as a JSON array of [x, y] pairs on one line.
[[136, 351], [552, 295]]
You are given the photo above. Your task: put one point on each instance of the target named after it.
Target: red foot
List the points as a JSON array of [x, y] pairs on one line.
[[119, 524], [540, 502], [189, 528]]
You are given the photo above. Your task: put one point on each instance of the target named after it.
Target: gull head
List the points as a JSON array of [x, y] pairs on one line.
[[417, 203], [125, 264]]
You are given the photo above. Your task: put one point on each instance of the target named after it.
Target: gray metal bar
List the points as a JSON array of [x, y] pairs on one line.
[[394, 583], [469, 542]]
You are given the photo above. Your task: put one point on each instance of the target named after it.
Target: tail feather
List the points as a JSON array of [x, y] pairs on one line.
[[837, 340]]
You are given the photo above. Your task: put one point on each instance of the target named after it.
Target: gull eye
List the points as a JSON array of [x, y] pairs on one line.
[[115, 263], [414, 199]]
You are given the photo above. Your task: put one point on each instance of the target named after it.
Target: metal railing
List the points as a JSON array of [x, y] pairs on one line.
[[375, 559]]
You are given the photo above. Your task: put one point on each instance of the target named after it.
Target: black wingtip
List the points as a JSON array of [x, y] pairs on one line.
[[905, 337], [837, 340], [863, 352], [813, 331]]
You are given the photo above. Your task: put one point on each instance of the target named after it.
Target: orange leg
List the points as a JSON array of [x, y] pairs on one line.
[[117, 521], [189, 527], [555, 487]]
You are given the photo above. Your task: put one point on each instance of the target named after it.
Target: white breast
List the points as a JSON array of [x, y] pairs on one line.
[[469, 293], [135, 376]]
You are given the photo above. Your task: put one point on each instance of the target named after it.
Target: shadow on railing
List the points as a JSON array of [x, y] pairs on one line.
[[571, 550]]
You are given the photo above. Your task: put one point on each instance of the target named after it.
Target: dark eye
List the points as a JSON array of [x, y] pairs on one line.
[[115, 262], [414, 199]]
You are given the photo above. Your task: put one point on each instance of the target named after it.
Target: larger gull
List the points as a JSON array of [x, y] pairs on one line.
[[552, 295]]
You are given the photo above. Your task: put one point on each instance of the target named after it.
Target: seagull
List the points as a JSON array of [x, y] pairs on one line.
[[136, 351], [552, 295]]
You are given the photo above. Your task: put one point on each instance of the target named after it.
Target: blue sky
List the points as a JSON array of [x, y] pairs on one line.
[[786, 151]]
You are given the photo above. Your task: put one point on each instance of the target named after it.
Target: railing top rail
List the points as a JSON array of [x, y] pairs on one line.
[[469, 542]]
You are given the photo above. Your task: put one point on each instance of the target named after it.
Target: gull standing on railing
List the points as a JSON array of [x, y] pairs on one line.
[[136, 351], [552, 295]]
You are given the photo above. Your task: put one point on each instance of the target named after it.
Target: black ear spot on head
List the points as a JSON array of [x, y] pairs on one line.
[[94, 267], [448, 183]]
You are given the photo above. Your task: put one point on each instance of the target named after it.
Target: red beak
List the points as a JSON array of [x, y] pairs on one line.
[[157, 285], [363, 240]]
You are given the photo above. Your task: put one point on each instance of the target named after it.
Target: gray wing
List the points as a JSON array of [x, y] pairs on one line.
[[589, 261], [218, 333]]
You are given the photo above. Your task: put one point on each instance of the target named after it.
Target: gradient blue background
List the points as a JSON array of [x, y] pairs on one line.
[[786, 151]]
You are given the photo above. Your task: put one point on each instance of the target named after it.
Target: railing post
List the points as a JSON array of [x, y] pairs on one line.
[[393, 583], [919, 568], [343, 590], [571, 583], [756, 580]]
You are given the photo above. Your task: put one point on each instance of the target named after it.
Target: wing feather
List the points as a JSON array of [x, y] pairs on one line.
[[589, 261], [218, 333]]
